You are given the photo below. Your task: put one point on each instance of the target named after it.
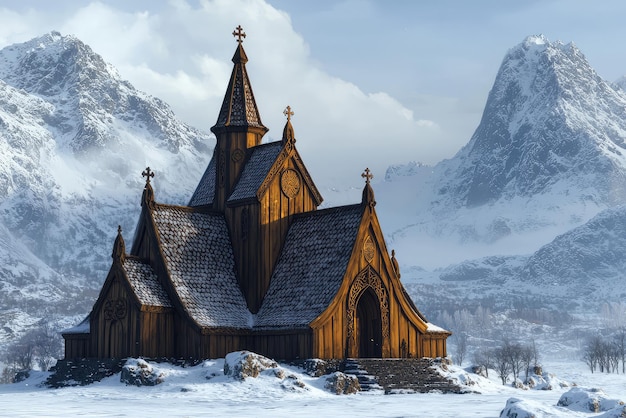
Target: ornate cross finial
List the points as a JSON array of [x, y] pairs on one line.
[[147, 173], [367, 175], [119, 229], [288, 112], [239, 34]]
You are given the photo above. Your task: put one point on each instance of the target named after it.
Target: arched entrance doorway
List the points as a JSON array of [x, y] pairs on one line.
[[369, 325], [367, 316]]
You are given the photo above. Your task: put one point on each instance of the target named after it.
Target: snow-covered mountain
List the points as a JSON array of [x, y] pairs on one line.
[[579, 271], [74, 139], [548, 155]]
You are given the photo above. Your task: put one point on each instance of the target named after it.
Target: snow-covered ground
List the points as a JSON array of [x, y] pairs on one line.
[[188, 392]]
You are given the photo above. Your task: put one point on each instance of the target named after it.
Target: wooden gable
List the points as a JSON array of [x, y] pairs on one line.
[[371, 286], [273, 187]]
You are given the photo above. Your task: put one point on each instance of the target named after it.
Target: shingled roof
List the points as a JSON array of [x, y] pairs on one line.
[[239, 108], [145, 283], [199, 258], [311, 267], [205, 192], [255, 171]]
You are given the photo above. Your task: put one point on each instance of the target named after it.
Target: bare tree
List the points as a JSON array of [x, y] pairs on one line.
[[461, 347], [20, 355], [593, 352], [501, 363], [483, 358], [620, 345], [526, 357], [41, 345], [48, 346]]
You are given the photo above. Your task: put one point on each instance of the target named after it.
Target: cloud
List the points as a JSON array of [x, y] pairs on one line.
[[181, 54]]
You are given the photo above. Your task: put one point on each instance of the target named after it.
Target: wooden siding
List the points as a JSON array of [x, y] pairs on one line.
[[155, 331], [258, 240], [115, 323], [76, 346]]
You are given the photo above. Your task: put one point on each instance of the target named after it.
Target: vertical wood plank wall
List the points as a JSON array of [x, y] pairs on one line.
[[113, 338], [267, 224]]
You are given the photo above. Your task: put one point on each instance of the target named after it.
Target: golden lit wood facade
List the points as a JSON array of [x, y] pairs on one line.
[[251, 263]]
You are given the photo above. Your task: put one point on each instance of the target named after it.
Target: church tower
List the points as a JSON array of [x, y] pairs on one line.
[[258, 187], [238, 126]]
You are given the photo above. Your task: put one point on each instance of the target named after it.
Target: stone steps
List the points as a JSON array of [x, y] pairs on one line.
[[367, 381], [399, 375]]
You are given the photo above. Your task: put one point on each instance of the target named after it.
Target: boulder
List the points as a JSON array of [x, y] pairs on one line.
[[138, 372], [518, 408], [342, 384], [244, 364], [588, 400]]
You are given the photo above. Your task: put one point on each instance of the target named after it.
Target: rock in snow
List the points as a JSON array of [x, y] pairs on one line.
[[244, 364], [138, 372], [589, 400]]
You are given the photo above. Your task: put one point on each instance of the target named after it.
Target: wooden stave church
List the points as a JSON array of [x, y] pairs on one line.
[[251, 263]]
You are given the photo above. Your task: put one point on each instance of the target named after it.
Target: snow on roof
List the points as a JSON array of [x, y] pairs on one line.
[[145, 283], [82, 328], [434, 329], [311, 267], [205, 192], [256, 169], [201, 264]]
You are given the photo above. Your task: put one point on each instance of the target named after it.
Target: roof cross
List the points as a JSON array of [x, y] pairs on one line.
[[367, 175], [239, 33], [147, 173], [288, 112]]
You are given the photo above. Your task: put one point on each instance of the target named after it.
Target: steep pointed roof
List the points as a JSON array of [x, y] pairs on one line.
[[256, 170], [145, 283], [199, 258], [239, 109], [205, 192], [311, 267]]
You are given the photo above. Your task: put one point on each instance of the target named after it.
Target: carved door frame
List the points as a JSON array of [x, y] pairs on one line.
[[367, 278]]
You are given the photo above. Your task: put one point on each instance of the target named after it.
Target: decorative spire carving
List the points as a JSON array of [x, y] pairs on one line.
[[288, 132], [368, 192], [239, 111], [119, 247], [148, 193], [394, 263]]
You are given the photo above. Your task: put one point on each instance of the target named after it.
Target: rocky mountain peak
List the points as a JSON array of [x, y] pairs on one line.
[[75, 138], [90, 100], [549, 117]]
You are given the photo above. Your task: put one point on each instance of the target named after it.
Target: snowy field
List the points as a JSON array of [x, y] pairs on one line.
[[186, 392]]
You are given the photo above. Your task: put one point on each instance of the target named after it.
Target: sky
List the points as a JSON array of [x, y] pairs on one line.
[[372, 83]]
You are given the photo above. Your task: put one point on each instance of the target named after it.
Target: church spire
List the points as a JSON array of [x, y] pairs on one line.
[[288, 133], [239, 111], [368, 192], [147, 198], [119, 247]]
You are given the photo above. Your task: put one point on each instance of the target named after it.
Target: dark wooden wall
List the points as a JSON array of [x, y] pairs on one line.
[[111, 333], [77, 346], [156, 333]]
